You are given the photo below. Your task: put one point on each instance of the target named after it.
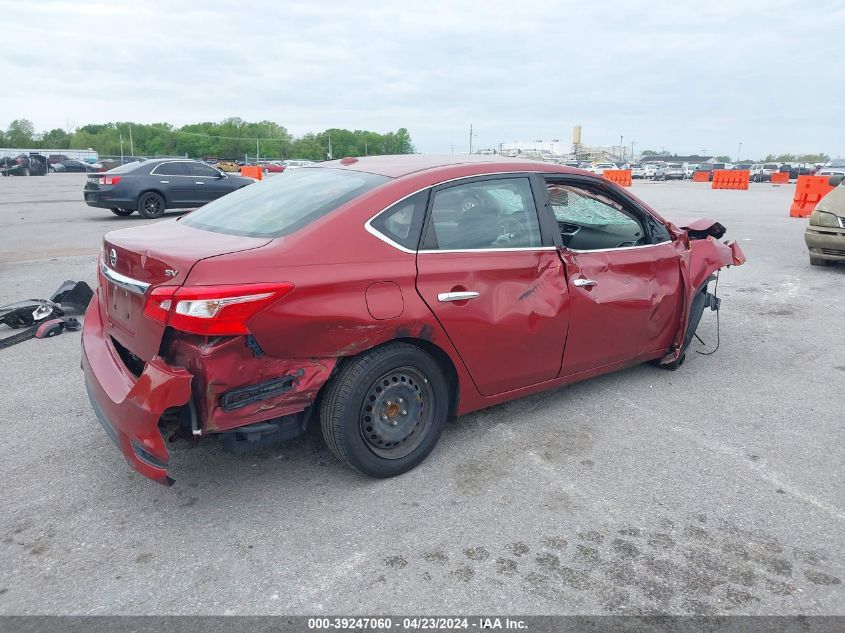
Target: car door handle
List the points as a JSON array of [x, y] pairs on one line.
[[445, 297], [581, 283], [166, 182], [199, 183]]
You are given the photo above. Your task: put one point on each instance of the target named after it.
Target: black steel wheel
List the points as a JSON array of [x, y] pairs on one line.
[[123, 212], [397, 413], [151, 205], [384, 412]]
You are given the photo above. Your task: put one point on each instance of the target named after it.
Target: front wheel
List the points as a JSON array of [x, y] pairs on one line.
[[151, 206], [123, 212], [384, 412]]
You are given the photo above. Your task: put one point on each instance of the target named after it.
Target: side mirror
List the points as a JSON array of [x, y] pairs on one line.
[[835, 181], [221, 174]]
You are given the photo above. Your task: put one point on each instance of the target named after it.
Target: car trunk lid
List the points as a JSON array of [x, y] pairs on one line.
[[137, 260]]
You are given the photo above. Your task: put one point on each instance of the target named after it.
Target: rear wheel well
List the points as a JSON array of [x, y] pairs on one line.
[[146, 191], [441, 358], [446, 364]]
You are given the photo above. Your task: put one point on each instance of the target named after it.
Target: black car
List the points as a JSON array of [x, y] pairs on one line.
[[154, 186], [71, 164], [32, 164], [794, 172]]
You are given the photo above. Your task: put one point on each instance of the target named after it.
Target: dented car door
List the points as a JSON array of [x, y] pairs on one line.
[[624, 278], [493, 282]]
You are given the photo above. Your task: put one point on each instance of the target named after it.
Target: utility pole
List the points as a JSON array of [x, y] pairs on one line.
[[330, 147], [453, 149], [131, 145], [738, 151], [622, 145], [632, 150], [470, 138], [256, 150], [121, 149]]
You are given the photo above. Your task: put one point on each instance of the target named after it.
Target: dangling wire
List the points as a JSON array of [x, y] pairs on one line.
[[716, 296]]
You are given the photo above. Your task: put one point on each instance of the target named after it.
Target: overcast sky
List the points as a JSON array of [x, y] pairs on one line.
[[686, 76]]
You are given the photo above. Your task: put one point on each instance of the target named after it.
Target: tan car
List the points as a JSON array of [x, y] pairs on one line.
[[228, 165], [825, 234]]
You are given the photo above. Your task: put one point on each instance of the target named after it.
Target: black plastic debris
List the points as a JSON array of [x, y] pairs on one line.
[[29, 312], [74, 294], [43, 318]]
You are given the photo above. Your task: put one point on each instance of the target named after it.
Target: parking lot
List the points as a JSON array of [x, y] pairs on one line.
[[717, 488]]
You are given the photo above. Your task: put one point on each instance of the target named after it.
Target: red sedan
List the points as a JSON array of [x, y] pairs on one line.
[[272, 167], [379, 297]]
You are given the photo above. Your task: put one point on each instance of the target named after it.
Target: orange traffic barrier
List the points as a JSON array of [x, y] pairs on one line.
[[808, 191], [619, 176], [780, 177], [252, 172], [730, 178], [701, 176]]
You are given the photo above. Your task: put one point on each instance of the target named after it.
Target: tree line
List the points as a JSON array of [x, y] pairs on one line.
[[230, 138]]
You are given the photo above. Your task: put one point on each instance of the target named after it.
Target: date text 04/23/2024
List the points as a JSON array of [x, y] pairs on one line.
[[416, 624]]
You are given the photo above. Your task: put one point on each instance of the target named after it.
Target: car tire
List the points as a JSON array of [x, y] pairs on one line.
[[818, 261], [384, 412], [124, 213], [151, 205]]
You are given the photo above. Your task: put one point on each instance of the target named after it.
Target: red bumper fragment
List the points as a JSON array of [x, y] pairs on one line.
[[129, 408]]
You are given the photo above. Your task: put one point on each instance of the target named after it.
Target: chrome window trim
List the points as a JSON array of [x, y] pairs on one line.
[[376, 233], [122, 281], [153, 171], [619, 248], [490, 250]]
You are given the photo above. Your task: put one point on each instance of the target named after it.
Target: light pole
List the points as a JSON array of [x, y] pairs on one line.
[[622, 146], [738, 151]]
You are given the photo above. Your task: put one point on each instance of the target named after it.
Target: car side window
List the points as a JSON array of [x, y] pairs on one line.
[[172, 169], [402, 222], [200, 170], [589, 220], [485, 214]]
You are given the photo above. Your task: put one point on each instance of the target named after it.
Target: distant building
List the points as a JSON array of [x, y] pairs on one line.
[[557, 150]]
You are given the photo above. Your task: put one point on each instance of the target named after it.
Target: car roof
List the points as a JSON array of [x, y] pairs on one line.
[[396, 166], [158, 161]]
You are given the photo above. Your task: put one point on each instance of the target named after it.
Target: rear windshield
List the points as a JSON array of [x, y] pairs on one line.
[[283, 204], [122, 169]]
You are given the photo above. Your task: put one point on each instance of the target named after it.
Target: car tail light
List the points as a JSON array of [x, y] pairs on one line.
[[212, 310], [110, 180]]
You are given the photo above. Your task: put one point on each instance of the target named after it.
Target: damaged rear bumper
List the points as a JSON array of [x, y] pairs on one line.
[[127, 407]]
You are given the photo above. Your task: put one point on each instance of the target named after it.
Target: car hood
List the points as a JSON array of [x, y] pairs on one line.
[[833, 202]]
